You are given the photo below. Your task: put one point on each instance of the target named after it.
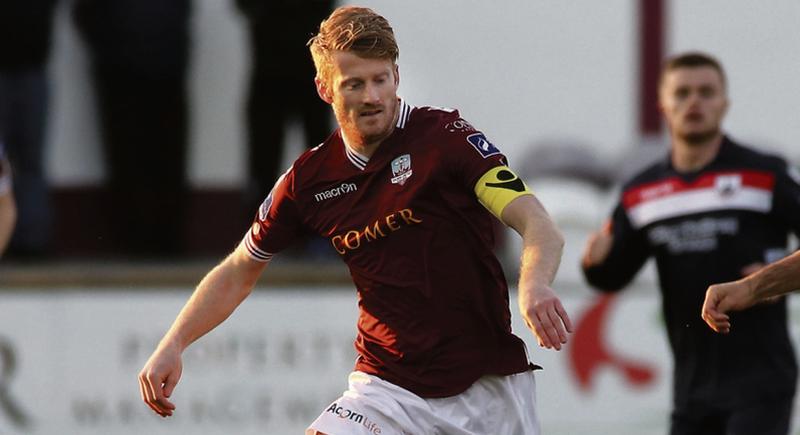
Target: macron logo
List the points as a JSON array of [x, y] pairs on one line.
[[336, 191]]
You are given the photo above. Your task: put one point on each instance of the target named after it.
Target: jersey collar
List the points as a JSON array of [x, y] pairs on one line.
[[359, 160]]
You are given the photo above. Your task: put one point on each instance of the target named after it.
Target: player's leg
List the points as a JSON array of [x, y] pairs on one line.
[[499, 405], [371, 406]]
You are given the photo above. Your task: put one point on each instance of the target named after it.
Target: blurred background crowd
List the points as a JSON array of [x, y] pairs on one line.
[[137, 59], [152, 129]]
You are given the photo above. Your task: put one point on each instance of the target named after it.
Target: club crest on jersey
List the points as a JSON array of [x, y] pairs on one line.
[[728, 184], [482, 145], [401, 169]]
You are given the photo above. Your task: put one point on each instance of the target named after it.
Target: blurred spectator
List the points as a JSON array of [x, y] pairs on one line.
[[25, 33], [281, 82], [139, 51], [8, 210]]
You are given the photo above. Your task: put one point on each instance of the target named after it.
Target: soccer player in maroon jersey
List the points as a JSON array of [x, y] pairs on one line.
[[405, 195], [8, 209]]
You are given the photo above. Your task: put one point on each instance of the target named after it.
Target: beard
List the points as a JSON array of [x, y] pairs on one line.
[[700, 137], [353, 132], [372, 135]]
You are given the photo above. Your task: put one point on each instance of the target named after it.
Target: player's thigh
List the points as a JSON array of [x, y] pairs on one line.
[[370, 406]]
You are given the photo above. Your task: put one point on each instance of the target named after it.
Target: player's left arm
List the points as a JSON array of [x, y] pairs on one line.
[[774, 280], [506, 196]]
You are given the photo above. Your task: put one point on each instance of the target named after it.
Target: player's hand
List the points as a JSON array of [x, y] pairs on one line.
[[545, 316], [158, 378], [722, 298], [598, 246]]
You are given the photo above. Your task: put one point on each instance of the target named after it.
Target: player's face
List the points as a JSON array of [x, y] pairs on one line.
[[693, 101], [363, 93]]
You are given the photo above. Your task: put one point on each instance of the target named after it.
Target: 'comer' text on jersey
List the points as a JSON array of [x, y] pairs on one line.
[[433, 301]]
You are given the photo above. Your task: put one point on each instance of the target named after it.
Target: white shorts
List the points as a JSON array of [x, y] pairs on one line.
[[493, 405]]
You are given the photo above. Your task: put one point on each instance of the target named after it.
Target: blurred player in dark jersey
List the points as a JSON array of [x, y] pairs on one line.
[[711, 211], [405, 195], [8, 208], [774, 280]]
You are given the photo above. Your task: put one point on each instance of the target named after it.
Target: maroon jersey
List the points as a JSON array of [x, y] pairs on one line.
[[433, 301]]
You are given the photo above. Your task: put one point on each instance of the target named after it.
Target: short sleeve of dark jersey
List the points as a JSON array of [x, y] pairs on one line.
[[277, 222], [468, 152], [628, 254], [786, 205]]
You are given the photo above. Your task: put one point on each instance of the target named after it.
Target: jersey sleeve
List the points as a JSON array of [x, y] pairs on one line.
[[469, 153], [277, 222], [498, 187], [628, 254], [786, 205]]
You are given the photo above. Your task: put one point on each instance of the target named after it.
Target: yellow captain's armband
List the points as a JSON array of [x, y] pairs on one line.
[[498, 187]]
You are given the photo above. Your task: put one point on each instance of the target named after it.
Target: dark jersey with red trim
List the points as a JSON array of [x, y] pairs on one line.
[[433, 302], [704, 228]]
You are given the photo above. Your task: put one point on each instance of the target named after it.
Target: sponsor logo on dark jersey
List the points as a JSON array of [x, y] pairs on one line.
[[381, 228], [701, 235], [482, 145]]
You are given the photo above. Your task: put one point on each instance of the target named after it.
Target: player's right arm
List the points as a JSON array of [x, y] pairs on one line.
[[215, 298], [774, 280]]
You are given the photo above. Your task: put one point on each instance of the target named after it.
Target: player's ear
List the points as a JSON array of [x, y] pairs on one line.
[[396, 75], [660, 100], [323, 91]]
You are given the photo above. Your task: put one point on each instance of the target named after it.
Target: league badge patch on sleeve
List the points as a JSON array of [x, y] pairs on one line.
[[482, 145]]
